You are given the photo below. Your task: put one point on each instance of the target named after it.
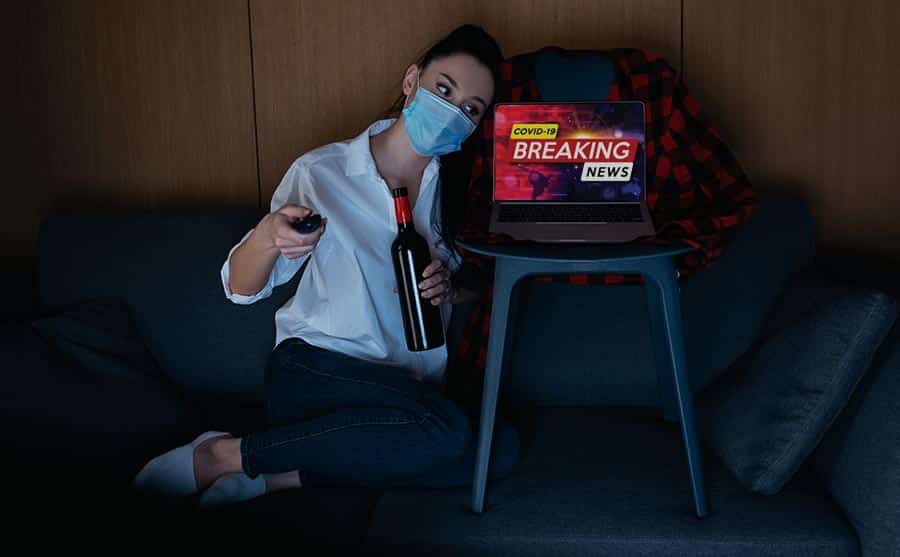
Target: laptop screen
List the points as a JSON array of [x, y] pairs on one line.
[[574, 151]]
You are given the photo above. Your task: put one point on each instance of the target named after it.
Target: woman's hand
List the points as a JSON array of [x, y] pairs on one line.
[[285, 237], [435, 284]]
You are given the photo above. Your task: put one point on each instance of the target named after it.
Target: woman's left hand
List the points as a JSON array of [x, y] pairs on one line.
[[435, 285]]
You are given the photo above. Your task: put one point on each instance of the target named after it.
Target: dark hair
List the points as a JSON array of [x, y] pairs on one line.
[[456, 167]]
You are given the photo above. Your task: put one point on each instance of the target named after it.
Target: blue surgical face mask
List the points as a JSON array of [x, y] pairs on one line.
[[435, 126]]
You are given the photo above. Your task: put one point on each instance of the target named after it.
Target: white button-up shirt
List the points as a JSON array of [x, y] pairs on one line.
[[345, 300]]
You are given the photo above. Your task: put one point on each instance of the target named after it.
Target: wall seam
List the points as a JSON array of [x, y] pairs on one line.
[[253, 100], [681, 62]]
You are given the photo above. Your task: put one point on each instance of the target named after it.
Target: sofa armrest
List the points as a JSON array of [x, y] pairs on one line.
[[858, 460]]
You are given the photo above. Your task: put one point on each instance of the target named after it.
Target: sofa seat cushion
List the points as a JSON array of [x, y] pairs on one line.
[[610, 481]]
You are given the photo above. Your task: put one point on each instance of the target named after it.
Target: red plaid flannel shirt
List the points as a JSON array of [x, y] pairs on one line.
[[697, 192]]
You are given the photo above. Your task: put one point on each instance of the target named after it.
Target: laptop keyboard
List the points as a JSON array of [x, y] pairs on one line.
[[549, 212]]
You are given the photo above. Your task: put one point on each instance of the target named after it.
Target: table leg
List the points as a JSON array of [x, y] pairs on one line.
[[504, 280], [665, 281], [664, 386]]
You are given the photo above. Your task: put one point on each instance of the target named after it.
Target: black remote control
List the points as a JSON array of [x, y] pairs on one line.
[[307, 224]]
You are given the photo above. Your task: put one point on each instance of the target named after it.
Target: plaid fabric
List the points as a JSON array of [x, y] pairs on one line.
[[697, 192]]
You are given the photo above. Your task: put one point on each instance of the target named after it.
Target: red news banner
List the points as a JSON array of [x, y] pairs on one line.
[[606, 160]]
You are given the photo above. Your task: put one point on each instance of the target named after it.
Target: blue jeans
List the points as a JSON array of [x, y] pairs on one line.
[[341, 420]]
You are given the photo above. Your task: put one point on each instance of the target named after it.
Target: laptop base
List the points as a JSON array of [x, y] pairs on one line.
[[574, 232]]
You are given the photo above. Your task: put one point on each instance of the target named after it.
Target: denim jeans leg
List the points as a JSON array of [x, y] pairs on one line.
[[506, 450], [343, 420], [304, 381]]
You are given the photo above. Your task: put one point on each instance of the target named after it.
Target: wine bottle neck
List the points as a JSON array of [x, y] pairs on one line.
[[402, 211]]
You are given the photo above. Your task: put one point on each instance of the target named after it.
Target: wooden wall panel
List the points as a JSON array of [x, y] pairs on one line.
[[152, 103], [806, 93], [127, 103], [325, 70]]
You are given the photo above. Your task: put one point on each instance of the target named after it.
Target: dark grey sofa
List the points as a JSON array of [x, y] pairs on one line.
[[601, 472]]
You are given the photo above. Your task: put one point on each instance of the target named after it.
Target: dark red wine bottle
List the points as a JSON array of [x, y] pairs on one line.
[[410, 254]]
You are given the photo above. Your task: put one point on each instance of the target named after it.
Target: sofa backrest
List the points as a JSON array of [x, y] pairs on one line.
[[166, 264], [569, 345]]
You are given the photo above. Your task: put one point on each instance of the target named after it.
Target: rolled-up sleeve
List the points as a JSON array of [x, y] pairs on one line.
[[264, 292], [292, 189]]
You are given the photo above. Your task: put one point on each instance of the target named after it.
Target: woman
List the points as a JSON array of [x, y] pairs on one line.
[[346, 401]]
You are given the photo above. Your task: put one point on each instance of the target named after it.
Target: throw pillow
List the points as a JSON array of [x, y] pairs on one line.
[[765, 416]]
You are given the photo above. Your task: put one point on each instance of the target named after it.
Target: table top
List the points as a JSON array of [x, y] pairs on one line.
[[577, 252]]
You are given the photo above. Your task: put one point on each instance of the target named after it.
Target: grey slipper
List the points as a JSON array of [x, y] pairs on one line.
[[172, 473]]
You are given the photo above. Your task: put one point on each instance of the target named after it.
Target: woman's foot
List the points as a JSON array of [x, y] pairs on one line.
[[215, 458], [211, 464], [234, 488], [174, 473], [287, 480]]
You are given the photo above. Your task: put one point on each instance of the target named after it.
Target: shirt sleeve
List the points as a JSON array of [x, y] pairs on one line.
[[294, 188], [451, 260]]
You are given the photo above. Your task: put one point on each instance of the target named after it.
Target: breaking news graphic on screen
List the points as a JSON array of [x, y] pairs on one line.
[[569, 152]]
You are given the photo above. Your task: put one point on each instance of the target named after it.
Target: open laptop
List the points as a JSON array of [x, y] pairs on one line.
[[570, 171]]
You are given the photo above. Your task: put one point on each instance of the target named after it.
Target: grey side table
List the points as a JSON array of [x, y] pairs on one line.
[[657, 264]]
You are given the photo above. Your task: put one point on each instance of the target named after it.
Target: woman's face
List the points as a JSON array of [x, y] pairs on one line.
[[459, 79]]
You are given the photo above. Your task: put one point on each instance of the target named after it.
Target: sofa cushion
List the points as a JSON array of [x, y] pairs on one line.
[[859, 458], [100, 337], [766, 415], [609, 481], [80, 380], [211, 345]]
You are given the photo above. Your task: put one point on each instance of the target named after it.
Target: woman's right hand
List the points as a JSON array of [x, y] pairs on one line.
[[285, 237]]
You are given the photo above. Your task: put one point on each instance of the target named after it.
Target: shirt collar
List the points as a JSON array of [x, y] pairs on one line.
[[359, 158]]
